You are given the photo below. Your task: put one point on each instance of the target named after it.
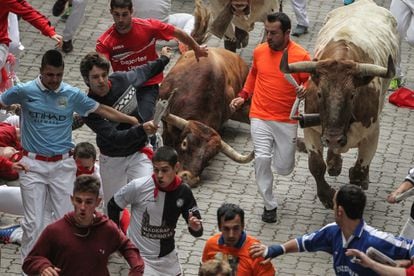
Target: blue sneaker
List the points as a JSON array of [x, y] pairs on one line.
[[5, 233]]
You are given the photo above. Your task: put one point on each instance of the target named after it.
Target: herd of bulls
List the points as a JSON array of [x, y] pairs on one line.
[[350, 74]]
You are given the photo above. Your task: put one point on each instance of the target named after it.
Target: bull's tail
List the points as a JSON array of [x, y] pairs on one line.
[[202, 18]]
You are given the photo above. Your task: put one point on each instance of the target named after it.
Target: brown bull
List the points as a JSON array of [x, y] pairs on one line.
[[200, 106], [349, 78]]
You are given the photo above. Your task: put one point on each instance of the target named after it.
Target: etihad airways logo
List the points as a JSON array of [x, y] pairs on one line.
[[47, 118]]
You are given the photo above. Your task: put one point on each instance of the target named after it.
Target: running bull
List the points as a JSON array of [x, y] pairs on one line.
[[200, 106], [234, 19], [350, 75]]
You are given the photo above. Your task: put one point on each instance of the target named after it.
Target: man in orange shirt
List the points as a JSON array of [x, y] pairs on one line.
[[273, 132], [232, 244]]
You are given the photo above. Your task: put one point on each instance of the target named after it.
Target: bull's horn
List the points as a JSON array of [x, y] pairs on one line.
[[367, 69], [303, 66], [234, 155], [176, 121]]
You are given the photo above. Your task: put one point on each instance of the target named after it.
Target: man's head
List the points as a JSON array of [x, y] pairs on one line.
[[277, 28], [85, 198], [215, 268], [94, 69], [349, 200], [121, 11], [85, 155], [166, 165], [51, 69], [230, 218]]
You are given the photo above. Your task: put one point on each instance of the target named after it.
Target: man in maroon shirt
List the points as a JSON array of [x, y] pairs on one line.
[[82, 241]]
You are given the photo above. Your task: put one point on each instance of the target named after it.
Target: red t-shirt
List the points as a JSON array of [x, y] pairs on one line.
[[137, 47], [28, 13], [410, 271]]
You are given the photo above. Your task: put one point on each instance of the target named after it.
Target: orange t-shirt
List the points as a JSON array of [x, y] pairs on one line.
[[238, 257], [273, 95]]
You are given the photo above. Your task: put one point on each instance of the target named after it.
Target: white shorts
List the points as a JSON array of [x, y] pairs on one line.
[[168, 265]]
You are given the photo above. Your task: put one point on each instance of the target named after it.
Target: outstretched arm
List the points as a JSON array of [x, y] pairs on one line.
[[114, 115]]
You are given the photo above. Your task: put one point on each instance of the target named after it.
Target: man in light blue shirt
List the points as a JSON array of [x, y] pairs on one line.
[[48, 105], [349, 231]]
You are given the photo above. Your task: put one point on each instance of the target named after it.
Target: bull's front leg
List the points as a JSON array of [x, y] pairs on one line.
[[359, 173], [317, 166], [334, 162]]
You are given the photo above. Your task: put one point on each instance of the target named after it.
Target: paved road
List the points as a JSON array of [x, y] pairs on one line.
[[300, 211]]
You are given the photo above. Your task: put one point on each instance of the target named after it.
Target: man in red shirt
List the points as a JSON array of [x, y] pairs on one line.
[[273, 132], [130, 42], [81, 242], [28, 13]]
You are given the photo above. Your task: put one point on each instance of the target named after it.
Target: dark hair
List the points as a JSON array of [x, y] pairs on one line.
[[53, 58], [353, 199], [167, 154], [121, 4], [282, 18], [93, 59], [215, 267], [229, 211], [84, 150], [86, 184]]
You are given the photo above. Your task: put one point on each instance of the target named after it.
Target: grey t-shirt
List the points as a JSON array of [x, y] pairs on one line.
[[158, 9]]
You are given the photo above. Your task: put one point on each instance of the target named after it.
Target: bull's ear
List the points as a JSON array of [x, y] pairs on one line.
[[362, 80]]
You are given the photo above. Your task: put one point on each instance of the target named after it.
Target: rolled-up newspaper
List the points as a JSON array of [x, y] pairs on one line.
[[161, 107], [295, 106], [402, 196]]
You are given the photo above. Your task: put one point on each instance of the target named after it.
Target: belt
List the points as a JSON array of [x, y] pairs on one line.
[[54, 158]]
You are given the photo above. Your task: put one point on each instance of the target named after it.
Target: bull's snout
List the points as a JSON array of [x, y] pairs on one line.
[[334, 141], [189, 178]]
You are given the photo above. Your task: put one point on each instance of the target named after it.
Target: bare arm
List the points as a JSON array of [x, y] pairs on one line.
[[381, 269], [115, 116], [273, 251], [199, 51]]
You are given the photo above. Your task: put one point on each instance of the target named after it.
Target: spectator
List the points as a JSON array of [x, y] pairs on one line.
[[232, 244], [408, 183], [125, 154], [48, 105], [130, 42], [57, 251], [403, 11], [273, 132], [299, 7], [349, 231], [157, 201]]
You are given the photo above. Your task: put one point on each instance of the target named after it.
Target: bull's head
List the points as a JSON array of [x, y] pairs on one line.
[[337, 83], [199, 143]]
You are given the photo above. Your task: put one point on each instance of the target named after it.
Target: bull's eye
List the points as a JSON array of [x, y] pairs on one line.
[[184, 144]]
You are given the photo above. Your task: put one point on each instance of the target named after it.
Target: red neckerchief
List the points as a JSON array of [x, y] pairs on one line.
[[82, 170], [173, 185]]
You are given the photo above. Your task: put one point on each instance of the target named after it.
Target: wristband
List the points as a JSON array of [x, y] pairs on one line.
[[274, 251]]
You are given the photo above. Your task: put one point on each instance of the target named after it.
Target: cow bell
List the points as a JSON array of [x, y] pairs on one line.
[[308, 120]]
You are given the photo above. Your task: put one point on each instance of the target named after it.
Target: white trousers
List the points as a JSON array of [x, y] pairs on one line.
[[168, 265], [299, 7], [75, 19], [403, 11], [53, 179], [116, 172], [274, 143]]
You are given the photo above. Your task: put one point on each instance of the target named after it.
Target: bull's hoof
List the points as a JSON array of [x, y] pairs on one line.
[[334, 163], [359, 177], [326, 197]]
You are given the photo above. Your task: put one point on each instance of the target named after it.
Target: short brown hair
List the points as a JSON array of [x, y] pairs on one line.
[[215, 268], [87, 184]]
